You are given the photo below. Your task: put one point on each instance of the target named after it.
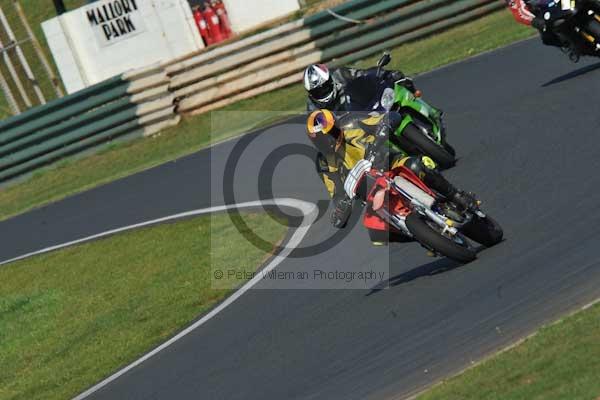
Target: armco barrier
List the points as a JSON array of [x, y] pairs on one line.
[[135, 104], [288, 55], [205, 55], [256, 52], [206, 87], [146, 101]]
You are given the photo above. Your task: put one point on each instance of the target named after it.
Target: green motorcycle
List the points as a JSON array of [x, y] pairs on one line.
[[422, 130]]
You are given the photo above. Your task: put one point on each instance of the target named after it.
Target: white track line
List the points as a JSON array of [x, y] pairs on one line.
[[306, 208], [309, 212]]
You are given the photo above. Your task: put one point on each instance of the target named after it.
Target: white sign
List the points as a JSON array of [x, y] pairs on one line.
[[245, 15], [108, 37], [115, 20]]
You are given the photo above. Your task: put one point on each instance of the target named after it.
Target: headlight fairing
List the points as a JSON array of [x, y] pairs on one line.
[[388, 98]]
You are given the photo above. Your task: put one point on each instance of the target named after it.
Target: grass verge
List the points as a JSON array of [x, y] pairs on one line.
[[495, 30], [562, 361], [69, 318]]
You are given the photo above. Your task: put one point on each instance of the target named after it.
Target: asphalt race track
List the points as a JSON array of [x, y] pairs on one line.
[[525, 122]]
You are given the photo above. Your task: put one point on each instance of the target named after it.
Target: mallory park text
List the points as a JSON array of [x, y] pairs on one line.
[[114, 18]]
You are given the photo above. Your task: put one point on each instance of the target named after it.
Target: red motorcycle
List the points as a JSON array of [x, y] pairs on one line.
[[400, 203]]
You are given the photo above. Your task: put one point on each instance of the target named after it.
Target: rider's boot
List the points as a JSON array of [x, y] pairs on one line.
[[437, 182], [341, 211], [466, 200], [426, 169], [574, 56]]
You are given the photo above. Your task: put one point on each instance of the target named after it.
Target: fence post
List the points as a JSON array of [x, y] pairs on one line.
[[15, 76], [21, 58], [38, 49], [12, 102]]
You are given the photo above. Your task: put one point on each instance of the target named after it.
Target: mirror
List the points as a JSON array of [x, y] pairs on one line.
[[385, 60]]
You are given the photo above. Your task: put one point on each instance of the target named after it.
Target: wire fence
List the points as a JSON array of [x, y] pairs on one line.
[[26, 75]]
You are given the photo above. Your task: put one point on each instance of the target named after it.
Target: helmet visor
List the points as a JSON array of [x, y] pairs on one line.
[[322, 92]]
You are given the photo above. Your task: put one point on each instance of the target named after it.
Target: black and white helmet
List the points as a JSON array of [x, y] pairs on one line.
[[319, 84]]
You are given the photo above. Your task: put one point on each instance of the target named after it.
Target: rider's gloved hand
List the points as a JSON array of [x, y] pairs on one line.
[[341, 211], [466, 200], [405, 81], [410, 84]]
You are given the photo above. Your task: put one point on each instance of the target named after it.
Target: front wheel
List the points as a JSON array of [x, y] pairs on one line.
[[434, 240], [428, 147], [484, 230]]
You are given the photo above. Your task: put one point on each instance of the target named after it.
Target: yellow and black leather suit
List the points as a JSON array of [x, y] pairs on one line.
[[343, 140]]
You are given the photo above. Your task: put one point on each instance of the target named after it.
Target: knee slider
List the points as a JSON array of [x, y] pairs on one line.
[[428, 162], [421, 166]]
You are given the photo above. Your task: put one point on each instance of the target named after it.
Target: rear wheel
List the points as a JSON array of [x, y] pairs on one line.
[[428, 147], [432, 238], [484, 230]]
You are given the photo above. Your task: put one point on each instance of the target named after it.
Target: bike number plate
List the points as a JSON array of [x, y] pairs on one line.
[[565, 5]]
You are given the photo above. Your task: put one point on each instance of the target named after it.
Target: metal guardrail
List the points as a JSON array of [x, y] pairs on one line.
[[143, 102], [207, 86], [135, 104]]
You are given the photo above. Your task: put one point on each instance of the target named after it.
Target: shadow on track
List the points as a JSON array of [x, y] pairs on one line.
[[573, 74], [433, 268]]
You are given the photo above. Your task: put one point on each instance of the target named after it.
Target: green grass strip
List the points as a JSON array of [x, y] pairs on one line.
[[70, 318], [561, 362]]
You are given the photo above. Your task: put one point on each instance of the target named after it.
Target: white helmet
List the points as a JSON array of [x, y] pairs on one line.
[[319, 85]]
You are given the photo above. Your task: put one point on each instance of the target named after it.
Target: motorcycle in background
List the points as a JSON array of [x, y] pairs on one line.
[[576, 23], [422, 131]]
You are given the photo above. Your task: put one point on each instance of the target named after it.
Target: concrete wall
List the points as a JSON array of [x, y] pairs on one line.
[[247, 14], [109, 37]]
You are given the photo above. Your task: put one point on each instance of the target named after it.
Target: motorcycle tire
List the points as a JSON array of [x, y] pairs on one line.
[[428, 147], [484, 230], [450, 149], [434, 240]]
